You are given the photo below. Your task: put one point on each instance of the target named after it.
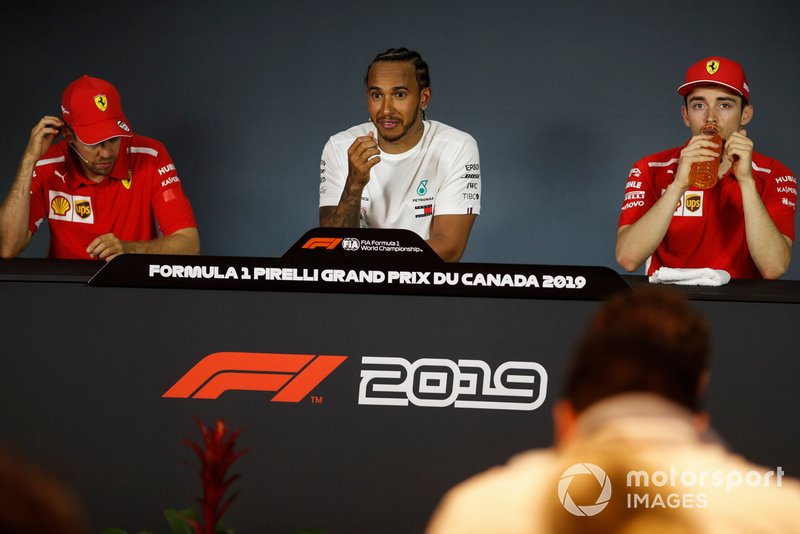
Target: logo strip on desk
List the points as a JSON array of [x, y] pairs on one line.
[[264, 274]]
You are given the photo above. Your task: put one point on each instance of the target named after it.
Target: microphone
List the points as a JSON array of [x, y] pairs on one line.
[[84, 160]]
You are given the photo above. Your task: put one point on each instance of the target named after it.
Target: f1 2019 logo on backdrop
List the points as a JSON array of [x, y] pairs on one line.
[[434, 382], [291, 376]]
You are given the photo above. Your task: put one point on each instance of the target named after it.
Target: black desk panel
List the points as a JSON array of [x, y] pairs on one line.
[[85, 370]]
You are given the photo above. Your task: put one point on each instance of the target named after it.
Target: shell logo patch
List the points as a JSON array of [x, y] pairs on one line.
[[60, 205], [712, 66], [101, 101]]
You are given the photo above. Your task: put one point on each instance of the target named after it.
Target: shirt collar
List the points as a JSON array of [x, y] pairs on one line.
[[75, 174]]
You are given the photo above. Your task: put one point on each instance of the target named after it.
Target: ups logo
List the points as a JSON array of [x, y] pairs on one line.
[[693, 202], [83, 208]]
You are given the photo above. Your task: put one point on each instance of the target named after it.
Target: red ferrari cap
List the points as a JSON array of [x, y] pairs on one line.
[[93, 109], [717, 70]]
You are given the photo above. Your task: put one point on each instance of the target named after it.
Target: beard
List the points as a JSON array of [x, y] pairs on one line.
[[394, 137]]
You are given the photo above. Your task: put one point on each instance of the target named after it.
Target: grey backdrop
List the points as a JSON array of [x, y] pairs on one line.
[[563, 97]]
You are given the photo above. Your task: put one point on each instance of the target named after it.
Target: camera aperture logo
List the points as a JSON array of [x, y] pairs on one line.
[[582, 470], [667, 488]]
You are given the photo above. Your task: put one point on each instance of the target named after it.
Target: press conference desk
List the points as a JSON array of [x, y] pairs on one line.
[[85, 370]]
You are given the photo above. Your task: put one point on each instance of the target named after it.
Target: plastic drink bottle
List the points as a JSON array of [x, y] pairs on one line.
[[703, 174]]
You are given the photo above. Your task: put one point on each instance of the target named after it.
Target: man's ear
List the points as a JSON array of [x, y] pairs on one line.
[[68, 134], [747, 114], [564, 420], [685, 116], [425, 98]]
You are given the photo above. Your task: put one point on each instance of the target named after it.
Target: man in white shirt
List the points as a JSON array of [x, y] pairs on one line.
[[401, 170]]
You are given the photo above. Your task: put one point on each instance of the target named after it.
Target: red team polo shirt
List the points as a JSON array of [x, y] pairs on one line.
[[707, 228], [142, 184]]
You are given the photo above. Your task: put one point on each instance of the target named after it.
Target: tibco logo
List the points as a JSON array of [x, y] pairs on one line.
[[293, 376], [437, 383]]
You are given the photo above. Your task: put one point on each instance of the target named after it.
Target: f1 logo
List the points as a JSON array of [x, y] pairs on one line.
[[293, 376], [328, 243]]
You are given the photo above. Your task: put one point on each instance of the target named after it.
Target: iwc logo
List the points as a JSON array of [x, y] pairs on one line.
[[602, 480], [350, 244]]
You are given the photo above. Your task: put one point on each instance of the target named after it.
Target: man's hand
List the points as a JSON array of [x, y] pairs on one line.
[[109, 246], [106, 247], [699, 149], [15, 210], [739, 150], [42, 136], [362, 155]]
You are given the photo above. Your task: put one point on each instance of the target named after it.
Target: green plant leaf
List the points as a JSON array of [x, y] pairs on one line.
[[177, 520]]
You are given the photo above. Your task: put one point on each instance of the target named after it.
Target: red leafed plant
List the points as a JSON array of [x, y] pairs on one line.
[[216, 455]]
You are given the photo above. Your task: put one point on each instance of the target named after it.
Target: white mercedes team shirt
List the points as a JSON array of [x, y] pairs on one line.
[[439, 176]]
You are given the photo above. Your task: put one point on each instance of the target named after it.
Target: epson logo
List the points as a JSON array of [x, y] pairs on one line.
[[439, 383]]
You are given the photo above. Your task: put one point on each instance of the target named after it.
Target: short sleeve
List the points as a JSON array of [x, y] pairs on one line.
[[171, 207], [780, 198], [640, 194], [332, 175], [460, 193]]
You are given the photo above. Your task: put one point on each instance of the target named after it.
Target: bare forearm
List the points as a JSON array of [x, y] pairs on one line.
[[771, 251], [184, 241], [449, 235], [346, 214], [638, 241], [446, 250], [15, 212]]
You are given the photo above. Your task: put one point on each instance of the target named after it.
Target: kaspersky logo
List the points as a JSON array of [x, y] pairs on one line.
[[292, 376]]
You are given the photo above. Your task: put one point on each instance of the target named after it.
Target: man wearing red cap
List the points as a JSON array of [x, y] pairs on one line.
[[744, 224], [102, 188]]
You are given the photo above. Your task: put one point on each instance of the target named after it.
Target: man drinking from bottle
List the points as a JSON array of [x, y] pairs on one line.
[[743, 224]]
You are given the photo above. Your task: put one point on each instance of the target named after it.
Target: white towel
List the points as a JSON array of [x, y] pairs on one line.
[[690, 277]]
